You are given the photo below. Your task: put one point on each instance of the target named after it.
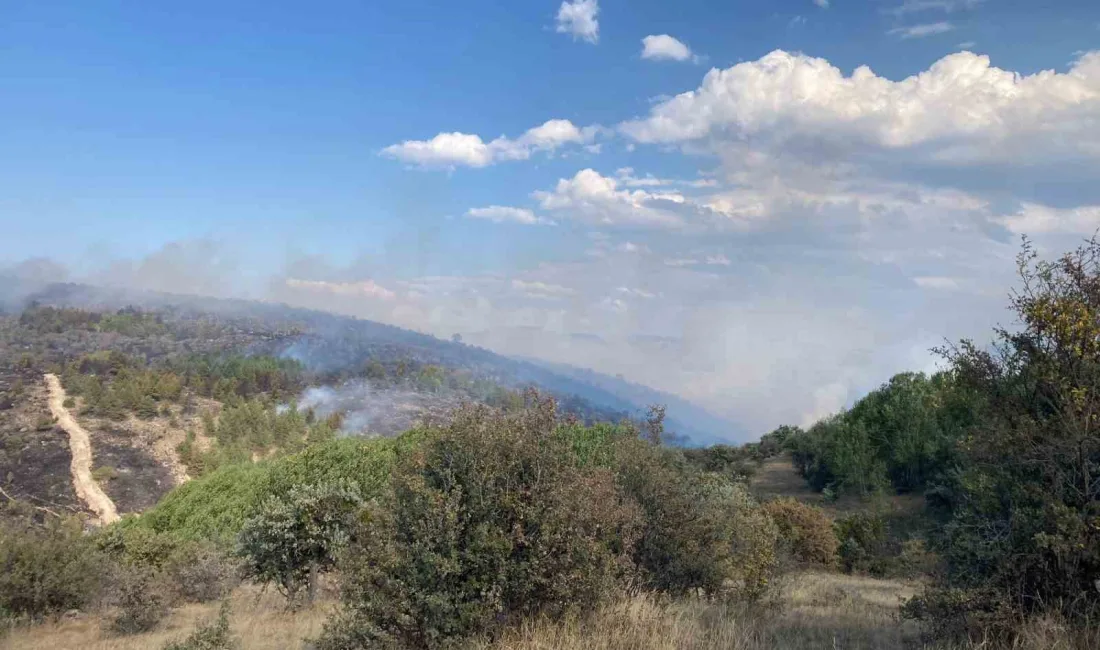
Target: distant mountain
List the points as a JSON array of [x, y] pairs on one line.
[[683, 417], [328, 342]]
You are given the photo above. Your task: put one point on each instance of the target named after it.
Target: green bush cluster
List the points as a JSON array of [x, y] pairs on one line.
[[47, 570], [502, 515], [140, 599], [114, 384], [863, 540], [223, 377], [248, 428], [900, 437], [739, 462], [215, 506], [191, 571], [805, 532], [292, 538], [127, 322], [1023, 534]]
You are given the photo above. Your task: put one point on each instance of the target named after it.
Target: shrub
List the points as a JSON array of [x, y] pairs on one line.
[[136, 546], [197, 571], [294, 538], [492, 519], [805, 531], [1023, 536], [141, 597], [215, 506], [916, 559], [200, 572], [862, 536], [753, 539], [688, 540], [48, 569], [735, 463], [104, 474], [214, 635], [901, 436]]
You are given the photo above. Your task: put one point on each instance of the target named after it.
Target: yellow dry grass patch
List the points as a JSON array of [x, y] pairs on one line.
[[260, 621], [817, 610], [777, 477]]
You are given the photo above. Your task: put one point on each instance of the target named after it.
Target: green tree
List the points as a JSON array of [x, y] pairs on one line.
[[492, 520], [293, 538], [1025, 504]]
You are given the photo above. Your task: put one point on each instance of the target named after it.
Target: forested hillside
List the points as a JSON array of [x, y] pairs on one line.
[[342, 347], [958, 510]]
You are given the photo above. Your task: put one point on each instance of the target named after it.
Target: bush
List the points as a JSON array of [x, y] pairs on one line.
[[294, 538], [689, 540], [492, 519], [805, 532], [201, 573], [1023, 537], [211, 636], [104, 474], [753, 540], [46, 570], [862, 537], [136, 546], [901, 436], [215, 506], [916, 559], [141, 597], [197, 571]]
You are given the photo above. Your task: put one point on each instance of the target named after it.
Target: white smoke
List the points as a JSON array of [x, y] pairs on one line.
[[370, 410]]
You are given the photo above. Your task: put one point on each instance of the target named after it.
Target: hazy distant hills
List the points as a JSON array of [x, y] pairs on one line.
[[684, 417], [331, 342]]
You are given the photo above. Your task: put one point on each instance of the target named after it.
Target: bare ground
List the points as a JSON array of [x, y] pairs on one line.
[[80, 446]]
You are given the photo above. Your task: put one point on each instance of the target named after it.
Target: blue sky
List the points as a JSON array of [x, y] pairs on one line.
[[791, 225]]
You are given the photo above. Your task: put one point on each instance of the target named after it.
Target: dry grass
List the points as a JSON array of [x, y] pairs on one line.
[[777, 477], [817, 610], [260, 622]]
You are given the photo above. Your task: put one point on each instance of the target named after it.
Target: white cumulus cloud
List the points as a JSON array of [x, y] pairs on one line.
[[962, 109], [578, 18], [594, 198], [1033, 218], [502, 214], [448, 150], [662, 47]]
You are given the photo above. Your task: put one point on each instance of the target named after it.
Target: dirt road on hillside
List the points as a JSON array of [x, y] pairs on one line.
[[80, 444]]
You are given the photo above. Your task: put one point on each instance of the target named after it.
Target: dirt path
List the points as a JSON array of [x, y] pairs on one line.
[[80, 445]]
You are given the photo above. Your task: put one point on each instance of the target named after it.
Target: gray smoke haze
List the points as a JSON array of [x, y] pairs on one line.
[[371, 411], [789, 329]]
